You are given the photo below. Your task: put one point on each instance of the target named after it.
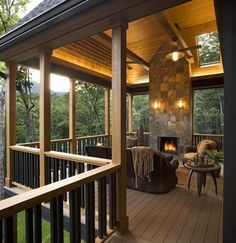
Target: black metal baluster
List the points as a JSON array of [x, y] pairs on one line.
[[49, 168], [102, 212], [37, 224], [37, 170], [64, 166], [71, 168], [60, 226], [56, 166], [28, 169], [21, 168], [29, 225], [79, 147], [53, 220], [75, 216], [112, 200], [89, 213], [1, 231], [14, 166], [9, 230], [82, 196]]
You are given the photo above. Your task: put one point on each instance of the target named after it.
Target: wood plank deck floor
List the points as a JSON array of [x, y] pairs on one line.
[[177, 216]]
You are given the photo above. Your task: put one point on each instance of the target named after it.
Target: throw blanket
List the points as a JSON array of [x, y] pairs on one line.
[[143, 162]]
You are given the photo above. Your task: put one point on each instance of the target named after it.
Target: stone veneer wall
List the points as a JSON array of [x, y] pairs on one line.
[[170, 82]]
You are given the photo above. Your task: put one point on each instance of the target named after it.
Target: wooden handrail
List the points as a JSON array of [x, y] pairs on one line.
[[78, 158], [93, 136], [28, 144], [25, 149], [13, 205], [208, 135], [61, 140]]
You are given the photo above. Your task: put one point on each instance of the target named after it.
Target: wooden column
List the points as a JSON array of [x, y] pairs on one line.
[[107, 114], [72, 116], [119, 118], [45, 111], [130, 113], [10, 119]]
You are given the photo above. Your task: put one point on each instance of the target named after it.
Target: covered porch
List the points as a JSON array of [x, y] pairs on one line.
[[58, 175]]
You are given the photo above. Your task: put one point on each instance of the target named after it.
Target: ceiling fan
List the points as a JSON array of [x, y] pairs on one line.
[[177, 54]]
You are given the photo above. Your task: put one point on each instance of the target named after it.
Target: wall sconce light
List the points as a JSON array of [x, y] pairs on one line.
[[181, 104], [156, 105]]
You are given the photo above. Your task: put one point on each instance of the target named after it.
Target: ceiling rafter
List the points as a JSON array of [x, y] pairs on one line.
[[173, 32], [105, 39]]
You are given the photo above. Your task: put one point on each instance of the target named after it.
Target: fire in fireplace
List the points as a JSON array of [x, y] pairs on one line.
[[168, 145]]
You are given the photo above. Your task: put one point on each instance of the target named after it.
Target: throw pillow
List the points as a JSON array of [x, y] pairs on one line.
[[206, 145]]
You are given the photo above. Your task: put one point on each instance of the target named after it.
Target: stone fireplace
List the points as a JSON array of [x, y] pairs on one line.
[[170, 83]]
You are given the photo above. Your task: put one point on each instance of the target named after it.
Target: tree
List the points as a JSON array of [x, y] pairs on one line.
[[9, 15], [90, 109], [209, 111], [210, 48], [141, 112]]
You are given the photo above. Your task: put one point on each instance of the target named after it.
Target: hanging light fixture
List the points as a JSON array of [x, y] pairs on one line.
[[175, 55]]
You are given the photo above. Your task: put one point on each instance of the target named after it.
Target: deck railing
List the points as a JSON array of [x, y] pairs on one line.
[[25, 166], [82, 142], [64, 145], [199, 137], [79, 188]]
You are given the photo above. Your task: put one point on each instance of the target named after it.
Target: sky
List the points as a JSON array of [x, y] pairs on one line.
[[58, 83]]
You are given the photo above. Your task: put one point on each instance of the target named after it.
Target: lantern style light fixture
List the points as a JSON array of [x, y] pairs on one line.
[[175, 56], [180, 104]]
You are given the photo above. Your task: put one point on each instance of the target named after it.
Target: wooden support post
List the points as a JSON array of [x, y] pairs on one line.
[[45, 112], [72, 116], [107, 114], [119, 118], [10, 119], [130, 113]]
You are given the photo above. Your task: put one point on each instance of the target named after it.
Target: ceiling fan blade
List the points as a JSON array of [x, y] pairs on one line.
[[191, 48]]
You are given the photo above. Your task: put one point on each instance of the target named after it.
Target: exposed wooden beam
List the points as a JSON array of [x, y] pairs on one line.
[[67, 69], [172, 31], [107, 40]]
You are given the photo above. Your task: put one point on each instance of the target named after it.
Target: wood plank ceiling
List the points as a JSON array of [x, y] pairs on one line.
[[144, 37]]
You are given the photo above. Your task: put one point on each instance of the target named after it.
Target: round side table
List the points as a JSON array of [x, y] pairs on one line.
[[201, 175]]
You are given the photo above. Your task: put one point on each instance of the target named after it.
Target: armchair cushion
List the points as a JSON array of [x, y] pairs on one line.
[[206, 144], [189, 156]]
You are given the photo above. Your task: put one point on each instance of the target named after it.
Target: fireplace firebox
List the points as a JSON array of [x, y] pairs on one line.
[[168, 144]]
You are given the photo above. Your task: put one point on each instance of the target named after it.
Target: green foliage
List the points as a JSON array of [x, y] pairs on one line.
[[215, 155], [60, 116], [90, 109], [210, 50], [141, 112], [9, 13], [209, 111]]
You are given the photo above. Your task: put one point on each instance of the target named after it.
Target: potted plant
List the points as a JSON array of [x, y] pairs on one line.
[[217, 157]]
